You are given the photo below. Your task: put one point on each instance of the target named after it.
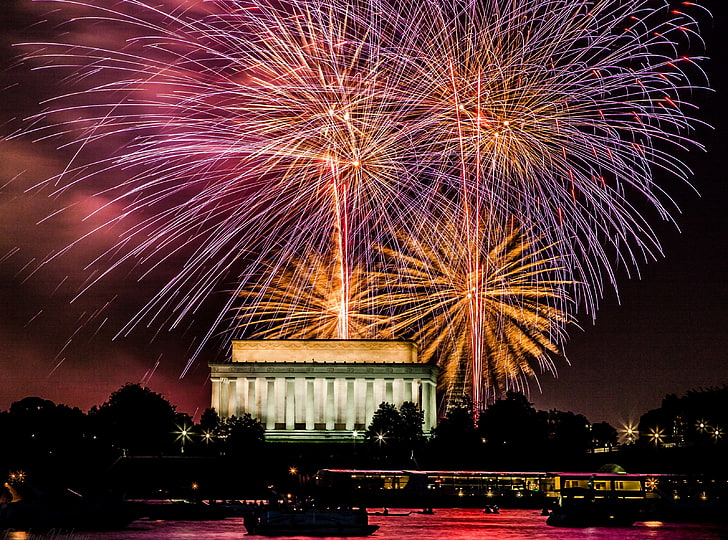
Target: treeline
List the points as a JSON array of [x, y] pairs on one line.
[[59, 447], [699, 418], [135, 421], [57, 441], [509, 433]]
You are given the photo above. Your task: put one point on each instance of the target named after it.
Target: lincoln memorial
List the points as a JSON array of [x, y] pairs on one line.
[[321, 389]]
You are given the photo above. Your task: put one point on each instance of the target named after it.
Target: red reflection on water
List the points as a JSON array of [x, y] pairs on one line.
[[447, 524], [474, 524]]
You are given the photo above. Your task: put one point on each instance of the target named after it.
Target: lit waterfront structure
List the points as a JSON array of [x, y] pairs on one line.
[[321, 389], [514, 489]]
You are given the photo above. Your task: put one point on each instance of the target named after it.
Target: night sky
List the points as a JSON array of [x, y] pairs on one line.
[[665, 334]]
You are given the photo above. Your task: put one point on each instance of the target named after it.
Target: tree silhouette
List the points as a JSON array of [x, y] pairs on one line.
[[240, 434], [603, 434], [209, 420], [136, 421], [569, 432], [700, 417], [456, 439], [410, 428], [42, 429], [385, 425], [395, 433], [512, 424]]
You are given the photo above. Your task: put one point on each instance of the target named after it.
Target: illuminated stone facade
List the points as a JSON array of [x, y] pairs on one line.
[[321, 389]]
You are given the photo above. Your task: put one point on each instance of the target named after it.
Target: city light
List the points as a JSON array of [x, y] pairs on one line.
[[656, 436], [629, 433], [183, 435]]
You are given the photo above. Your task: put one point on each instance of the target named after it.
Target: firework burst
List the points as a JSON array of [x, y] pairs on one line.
[[249, 134], [554, 115], [252, 133], [303, 300], [511, 310]]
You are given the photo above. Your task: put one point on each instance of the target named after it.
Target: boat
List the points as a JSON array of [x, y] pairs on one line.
[[309, 522], [578, 508], [386, 512], [595, 516]]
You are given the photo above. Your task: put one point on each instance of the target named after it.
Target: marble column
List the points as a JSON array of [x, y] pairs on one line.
[[224, 399], [350, 404], [243, 389], [397, 392], [310, 408], [330, 414], [407, 390], [360, 390], [369, 406], [299, 413], [250, 400], [251, 405], [428, 404], [319, 386], [279, 417], [233, 397], [379, 392], [215, 398], [290, 398], [270, 413]]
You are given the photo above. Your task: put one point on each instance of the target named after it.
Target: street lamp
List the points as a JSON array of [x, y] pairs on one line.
[[630, 433], [207, 437], [183, 435]]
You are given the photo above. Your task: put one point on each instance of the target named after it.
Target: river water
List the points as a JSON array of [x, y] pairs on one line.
[[445, 524]]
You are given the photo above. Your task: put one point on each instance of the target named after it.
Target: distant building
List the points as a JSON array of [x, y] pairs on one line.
[[321, 389]]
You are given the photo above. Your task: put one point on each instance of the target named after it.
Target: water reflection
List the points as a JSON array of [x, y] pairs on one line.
[[452, 524]]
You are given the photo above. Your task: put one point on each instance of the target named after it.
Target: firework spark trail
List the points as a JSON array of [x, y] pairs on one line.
[[256, 132], [339, 189], [428, 287]]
